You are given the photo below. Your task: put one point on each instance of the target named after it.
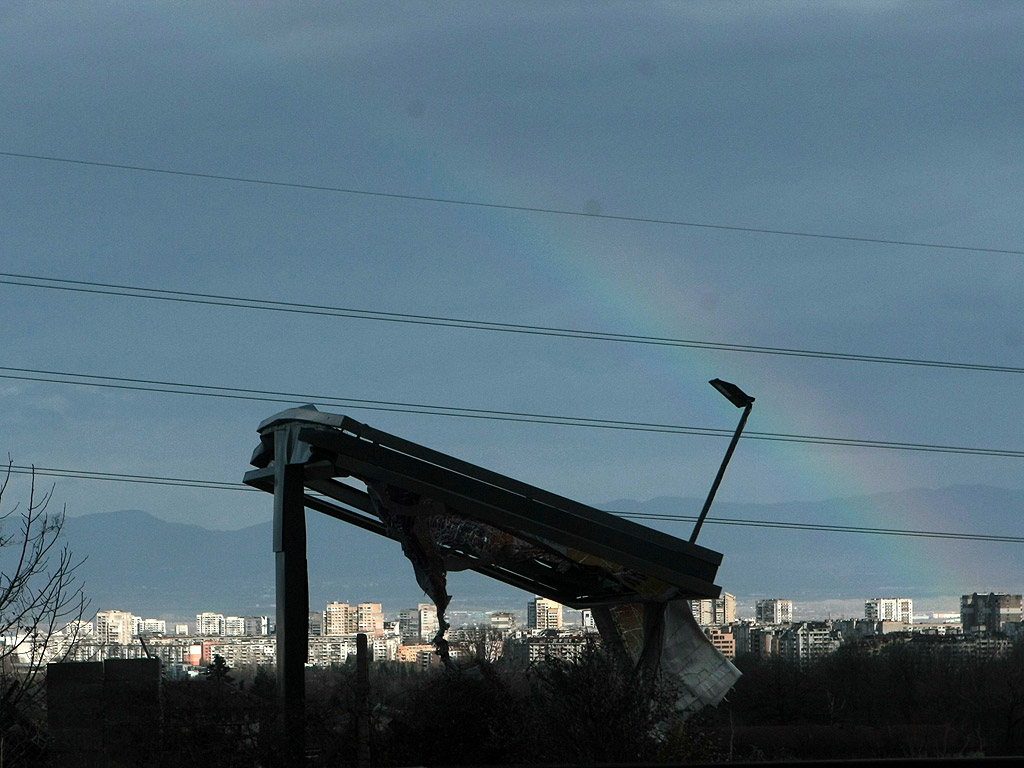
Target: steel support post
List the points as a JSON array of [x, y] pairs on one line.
[[292, 591]]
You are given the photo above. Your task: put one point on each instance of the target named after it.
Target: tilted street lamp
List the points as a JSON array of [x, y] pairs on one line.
[[740, 399]]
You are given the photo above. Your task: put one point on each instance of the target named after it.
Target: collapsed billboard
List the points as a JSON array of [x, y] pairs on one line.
[[450, 515]]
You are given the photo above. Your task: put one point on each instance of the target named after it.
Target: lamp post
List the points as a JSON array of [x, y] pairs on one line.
[[740, 399]]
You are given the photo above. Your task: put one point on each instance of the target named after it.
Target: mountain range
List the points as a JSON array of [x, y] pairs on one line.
[[137, 562]]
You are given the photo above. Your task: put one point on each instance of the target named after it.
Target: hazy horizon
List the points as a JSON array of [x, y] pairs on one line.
[[607, 506]]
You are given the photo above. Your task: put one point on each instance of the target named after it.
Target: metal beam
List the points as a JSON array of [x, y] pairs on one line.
[[388, 446], [688, 566]]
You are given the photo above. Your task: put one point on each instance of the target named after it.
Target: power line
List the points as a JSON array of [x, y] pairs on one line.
[[505, 206], [191, 297], [826, 527], [122, 477], [293, 398], [75, 474]]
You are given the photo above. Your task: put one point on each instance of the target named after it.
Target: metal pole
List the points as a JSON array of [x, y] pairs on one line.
[[292, 581], [721, 473]]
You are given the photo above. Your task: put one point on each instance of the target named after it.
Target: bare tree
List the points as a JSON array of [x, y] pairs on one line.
[[40, 597]]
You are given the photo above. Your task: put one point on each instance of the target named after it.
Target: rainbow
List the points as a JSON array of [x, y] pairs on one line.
[[630, 294]]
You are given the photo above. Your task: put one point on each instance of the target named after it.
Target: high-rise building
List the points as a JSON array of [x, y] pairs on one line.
[[341, 619], [429, 625], [889, 609], [113, 626], [409, 626], [542, 613], [989, 612], [370, 619], [714, 612], [419, 624], [116, 627], [209, 623], [774, 611], [259, 625], [234, 626], [153, 626], [181, 629], [703, 611]]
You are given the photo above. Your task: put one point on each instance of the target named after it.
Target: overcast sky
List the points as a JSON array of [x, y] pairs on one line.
[[883, 121]]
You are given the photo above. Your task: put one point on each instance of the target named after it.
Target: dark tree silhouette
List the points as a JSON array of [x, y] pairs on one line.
[[39, 596], [218, 670]]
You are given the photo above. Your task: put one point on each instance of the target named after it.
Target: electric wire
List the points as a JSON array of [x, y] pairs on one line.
[[294, 398], [505, 206], [123, 477], [118, 477], [828, 527], [192, 297], [248, 303]]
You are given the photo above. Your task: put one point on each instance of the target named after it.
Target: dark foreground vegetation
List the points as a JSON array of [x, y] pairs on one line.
[[488, 714], [897, 703]]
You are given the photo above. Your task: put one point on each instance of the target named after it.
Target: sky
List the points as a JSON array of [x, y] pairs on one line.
[[870, 121]]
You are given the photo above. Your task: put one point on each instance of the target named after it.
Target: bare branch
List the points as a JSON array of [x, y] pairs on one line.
[[40, 594]]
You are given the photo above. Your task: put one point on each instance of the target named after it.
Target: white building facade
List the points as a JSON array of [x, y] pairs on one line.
[[889, 609], [210, 624], [116, 627], [774, 611]]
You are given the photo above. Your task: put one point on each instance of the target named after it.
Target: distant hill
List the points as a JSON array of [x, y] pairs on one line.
[[813, 566], [140, 563]]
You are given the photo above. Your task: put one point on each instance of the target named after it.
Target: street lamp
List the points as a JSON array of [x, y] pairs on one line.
[[740, 399]]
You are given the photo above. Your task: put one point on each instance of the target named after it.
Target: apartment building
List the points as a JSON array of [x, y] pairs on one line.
[[542, 613], [723, 639], [370, 619], [116, 627], [234, 626], [210, 624], [709, 612], [340, 619], [899, 609], [418, 624], [992, 612], [774, 611], [808, 641]]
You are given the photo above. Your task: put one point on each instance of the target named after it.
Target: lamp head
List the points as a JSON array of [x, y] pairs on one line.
[[735, 395]]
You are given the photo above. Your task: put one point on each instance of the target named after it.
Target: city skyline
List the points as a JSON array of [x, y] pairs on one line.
[[994, 611], [994, 620], [707, 612]]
